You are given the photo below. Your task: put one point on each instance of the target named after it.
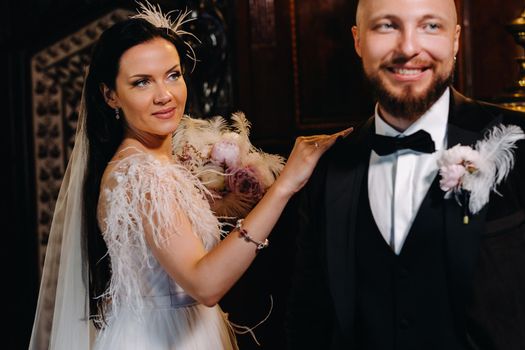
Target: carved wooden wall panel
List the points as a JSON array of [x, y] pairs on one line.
[[57, 76]]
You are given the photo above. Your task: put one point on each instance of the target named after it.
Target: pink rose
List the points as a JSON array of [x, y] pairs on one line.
[[451, 176], [244, 181], [459, 155], [226, 152]]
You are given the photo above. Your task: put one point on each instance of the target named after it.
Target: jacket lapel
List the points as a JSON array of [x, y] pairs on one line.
[[345, 172], [467, 124]]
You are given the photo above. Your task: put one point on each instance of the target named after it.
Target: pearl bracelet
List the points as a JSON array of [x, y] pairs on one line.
[[247, 238]]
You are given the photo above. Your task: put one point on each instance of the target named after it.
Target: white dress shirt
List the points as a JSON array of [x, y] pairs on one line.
[[398, 182]]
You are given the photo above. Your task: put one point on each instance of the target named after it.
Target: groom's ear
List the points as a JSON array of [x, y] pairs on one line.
[[357, 40]]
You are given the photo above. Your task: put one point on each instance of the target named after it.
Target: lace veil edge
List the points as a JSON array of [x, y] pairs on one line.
[[62, 314]]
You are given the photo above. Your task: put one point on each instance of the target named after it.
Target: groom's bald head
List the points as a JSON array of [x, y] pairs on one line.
[[364, 6]]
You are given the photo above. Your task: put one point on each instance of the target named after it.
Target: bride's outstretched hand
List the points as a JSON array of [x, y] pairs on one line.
[[304, 157]]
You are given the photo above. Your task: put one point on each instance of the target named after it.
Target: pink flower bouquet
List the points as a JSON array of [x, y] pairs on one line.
[[221, 155]]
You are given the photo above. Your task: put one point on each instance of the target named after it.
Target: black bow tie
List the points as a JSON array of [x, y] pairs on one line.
[[419, 141]]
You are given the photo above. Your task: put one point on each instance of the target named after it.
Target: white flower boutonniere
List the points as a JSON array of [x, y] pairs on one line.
[[470, 174]]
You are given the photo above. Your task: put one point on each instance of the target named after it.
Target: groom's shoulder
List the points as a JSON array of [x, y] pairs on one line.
[[352, 145], [480, 112], [507, 114]]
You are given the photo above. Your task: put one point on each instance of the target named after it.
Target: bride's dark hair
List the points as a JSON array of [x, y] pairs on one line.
[[104, 134]]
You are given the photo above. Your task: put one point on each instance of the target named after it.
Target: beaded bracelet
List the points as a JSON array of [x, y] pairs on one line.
[[247, 238]]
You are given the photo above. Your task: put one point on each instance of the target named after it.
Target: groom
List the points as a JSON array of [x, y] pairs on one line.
[[384, 261]]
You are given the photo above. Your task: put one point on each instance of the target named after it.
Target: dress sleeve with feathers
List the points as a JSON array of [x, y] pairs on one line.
[[143, 193]]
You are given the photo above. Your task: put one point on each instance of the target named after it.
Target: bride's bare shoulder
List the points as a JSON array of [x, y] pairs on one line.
[[120, 163]]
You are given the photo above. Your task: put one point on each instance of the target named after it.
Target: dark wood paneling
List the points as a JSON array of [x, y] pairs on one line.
[[264, 81], [491, 50], [328, 79], [308, 78]]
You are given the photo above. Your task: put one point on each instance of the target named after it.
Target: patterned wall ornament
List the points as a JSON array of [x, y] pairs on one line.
[[57, 78], [210, 86]]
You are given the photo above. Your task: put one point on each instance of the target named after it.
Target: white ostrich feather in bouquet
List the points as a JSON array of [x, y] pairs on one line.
[[221, 155]]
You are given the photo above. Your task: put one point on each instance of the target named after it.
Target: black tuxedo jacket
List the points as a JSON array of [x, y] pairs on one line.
[[485, 258]]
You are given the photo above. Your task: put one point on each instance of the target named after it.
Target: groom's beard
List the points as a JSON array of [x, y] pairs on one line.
[[408, 105]]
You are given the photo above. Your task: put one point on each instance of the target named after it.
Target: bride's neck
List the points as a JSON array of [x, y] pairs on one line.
[[159, 147]]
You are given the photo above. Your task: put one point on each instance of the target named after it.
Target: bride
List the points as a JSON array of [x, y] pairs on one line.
[[138, 246]]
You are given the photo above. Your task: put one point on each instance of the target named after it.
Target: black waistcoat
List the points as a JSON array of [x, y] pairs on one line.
[[403, 300]]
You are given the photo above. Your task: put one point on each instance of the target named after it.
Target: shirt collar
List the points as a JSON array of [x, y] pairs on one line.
[[434, 121]]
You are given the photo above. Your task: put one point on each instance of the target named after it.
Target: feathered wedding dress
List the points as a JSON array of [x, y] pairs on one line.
[[147, 309]]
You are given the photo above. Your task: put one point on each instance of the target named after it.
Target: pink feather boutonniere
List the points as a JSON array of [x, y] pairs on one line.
[[470, 174]]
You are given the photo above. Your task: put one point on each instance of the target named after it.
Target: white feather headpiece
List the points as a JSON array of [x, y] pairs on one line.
[[154, 15]]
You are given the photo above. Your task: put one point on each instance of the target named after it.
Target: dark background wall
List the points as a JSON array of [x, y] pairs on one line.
[[293, 71]]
